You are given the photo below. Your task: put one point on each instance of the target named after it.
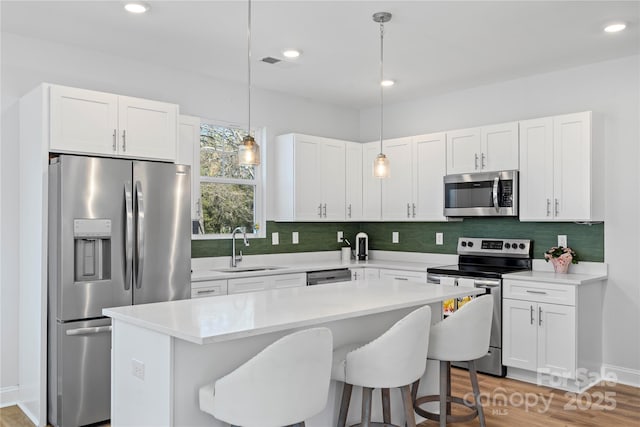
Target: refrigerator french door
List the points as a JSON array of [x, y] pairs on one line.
[[119, 234]]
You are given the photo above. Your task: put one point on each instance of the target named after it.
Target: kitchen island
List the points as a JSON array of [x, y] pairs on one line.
[[163, 353]]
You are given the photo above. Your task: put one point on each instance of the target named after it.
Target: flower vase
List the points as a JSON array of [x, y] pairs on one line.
[[561, 264]]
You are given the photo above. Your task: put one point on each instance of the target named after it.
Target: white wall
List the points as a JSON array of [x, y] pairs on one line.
[[611, 90], [28, 62]]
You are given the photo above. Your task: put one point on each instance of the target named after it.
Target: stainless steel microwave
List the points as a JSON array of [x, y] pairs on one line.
[[481, 194]]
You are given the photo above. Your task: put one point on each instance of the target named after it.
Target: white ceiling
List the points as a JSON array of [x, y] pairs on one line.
[[431, 47]]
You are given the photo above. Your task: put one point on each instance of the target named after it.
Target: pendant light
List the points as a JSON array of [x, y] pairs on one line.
[[249, 151], [381, 162]]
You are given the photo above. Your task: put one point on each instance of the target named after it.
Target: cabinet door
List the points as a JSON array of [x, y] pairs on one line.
[[499, 147], [247, 284], [572, 167], [353, 195], [83, 121], [429, 167], [371, 186], [357, 273], [147, 129], [557, 339], [308, 198], [208, 288], [536, 170], [332, 178], [397, 188], [463, 151], [189, 154], [371, 273], [288, 280], [519, 334]]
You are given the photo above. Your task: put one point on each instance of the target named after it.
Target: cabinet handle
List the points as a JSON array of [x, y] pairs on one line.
[[114, 141], [208, 291], [536, 292], [414, 209], [557, 207], [539, 316], [124, 140], [320, 210], [349, 209], [476, 161], [408, 210], [325, 210], [531, 312], [548, 207], [401, 278], [483, 161]]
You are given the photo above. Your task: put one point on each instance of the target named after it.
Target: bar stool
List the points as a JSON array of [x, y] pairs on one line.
[[463, 336], [395, 359], [283, 385]]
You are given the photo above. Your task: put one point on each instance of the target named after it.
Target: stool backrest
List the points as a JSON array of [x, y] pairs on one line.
[[465, 334], [394, 359], [284, 384]]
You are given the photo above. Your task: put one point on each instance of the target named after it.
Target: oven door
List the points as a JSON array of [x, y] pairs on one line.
[[481, 194]]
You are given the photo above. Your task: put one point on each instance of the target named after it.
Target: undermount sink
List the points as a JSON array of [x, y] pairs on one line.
[[247, 269]]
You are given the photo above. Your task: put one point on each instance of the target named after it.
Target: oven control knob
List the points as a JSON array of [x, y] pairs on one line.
[[522, 246], [470, 244], [463, 243], [507, 245]]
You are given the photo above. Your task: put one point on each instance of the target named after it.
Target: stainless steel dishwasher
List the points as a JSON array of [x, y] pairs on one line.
[[322, 277]]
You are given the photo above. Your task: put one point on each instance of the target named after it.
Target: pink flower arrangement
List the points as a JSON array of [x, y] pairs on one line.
[[561, 258]]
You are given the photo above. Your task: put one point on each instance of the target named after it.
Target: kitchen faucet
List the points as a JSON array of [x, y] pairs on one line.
[[234, 259]]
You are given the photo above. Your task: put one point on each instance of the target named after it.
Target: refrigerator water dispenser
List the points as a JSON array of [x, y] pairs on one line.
[[92, 247]]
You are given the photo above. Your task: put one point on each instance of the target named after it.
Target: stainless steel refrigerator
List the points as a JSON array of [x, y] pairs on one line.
[[119, 234]]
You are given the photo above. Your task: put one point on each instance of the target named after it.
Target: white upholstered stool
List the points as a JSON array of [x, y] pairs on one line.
[[463, 336], [284, 384], [395, 359]]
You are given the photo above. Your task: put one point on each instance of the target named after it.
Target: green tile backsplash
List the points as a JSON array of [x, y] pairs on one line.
[[586, 240]]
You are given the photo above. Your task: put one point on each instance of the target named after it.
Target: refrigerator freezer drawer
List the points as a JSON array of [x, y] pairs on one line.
[[80, 373]]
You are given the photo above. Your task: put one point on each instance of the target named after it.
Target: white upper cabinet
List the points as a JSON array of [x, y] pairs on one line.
[[483, 149], [97, 123], [309, 176], [188, 153], [557, 179], [371, 186], [414, 189], [353, 178]]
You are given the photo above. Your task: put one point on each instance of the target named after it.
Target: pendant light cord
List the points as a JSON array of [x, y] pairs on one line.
[[249, 70], [380, 82]]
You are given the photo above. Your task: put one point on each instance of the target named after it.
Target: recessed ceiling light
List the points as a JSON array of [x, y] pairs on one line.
[[387, 83], [291, 53], [136, 7], [615, 27]]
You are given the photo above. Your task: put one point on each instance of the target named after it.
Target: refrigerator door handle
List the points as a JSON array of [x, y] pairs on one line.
[[140, 235], [128, 249], [89, 331]]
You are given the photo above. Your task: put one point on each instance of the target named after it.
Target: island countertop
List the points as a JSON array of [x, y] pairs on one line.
[[228, 317]]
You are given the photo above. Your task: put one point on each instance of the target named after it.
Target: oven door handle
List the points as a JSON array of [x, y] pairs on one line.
[[494, 193], [487, 284]]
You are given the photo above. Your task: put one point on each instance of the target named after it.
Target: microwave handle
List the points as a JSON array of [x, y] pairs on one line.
[[494, 193]]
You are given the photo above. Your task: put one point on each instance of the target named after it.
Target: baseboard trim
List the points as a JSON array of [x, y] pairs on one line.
[[621, 375], [9, 396], [29, 414]]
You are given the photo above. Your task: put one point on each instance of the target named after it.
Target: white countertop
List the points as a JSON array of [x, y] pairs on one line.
[[553, 277], [228, 317], [304, 266]]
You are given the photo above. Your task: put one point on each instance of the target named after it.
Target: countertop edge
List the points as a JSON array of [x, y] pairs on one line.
[[575, 279]]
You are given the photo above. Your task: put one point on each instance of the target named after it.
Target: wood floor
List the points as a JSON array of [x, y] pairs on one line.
[[509, 403]]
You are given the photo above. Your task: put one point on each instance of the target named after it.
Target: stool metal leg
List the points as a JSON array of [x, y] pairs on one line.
[[473, 375], [410, 416], [344, 405], [445, 408], [386, 406], [366, 407]]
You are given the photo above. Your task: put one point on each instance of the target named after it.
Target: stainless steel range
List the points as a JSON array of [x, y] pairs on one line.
[[481, 264]]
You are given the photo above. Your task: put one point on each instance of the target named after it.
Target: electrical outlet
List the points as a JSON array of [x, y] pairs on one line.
[[439, 238], [275, 238], [137, 369], [562, 240], [295, 239], [395, 237], [340, 236]]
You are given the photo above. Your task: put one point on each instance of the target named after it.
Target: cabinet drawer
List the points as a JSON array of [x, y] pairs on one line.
[[289, 280], [247, 284], [539, 291], [403, 275], [208, 288]]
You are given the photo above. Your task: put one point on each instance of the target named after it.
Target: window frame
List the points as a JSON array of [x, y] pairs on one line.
[[260, 181]]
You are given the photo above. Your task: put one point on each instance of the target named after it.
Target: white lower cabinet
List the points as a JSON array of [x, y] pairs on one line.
[[288, 280], [415, 276], [371, 273], [357, 273], [208, 288], [553, 331], [263, 283]]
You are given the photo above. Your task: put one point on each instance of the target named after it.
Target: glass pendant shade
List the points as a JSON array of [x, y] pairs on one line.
[[381, 166], [249, 152]]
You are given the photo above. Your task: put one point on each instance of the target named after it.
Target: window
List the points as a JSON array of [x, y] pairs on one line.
[[230, 194]]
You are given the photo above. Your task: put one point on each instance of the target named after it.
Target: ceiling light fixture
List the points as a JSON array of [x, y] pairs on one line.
[[615, 27], [387, 83], [381, 162], [137, 7], [249, 151], [291, 53]]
